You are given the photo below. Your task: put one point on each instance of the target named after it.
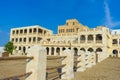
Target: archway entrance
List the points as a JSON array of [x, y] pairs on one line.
[[52, 51], [90, 50], [58, 50], [24, 50], [115, 53], [47, 50], [98, 50], [82, 49], [75, 51]]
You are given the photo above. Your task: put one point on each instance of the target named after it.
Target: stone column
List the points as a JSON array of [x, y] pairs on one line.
[[38, 64], [93, 58], [118, 42], [60, 50], [55, 53], [78, 39], [49, 50], [81, 64], [86, 39], [69, 61], [94, 39]]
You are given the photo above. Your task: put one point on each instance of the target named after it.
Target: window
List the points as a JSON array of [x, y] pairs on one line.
[[17, 32], [73, 23], [21, 31], [34, 30], [66, 23], [34, 39], [20, 40], [16, 39], [29, 39], [13, 32], [25, 31], [19, 48], [59, 31], [24, 39], [30, 31], [39, 30], [39, 38], [12, 39]]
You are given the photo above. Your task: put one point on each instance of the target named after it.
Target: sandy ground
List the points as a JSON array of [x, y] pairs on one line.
[[108, 69], [12, 68]]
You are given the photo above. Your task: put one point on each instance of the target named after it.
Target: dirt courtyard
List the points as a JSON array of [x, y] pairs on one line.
[[108, 69]]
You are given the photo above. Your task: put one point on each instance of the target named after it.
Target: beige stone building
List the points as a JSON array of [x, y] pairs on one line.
[[72, 35]]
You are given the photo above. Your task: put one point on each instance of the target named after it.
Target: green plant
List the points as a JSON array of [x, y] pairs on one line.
[[9, 47]]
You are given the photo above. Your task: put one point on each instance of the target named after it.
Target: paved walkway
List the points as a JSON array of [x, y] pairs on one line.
[[108, 69]]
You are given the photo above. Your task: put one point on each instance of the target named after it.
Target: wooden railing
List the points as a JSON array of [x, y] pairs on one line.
[[15, 58], [52, 72], [17, 76]]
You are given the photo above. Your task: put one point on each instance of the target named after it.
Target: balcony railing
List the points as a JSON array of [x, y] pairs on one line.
[[82, 41], [90, 41], [98, 41], [115, 44]]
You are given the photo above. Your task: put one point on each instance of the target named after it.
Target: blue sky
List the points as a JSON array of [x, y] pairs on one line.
[[51, 13]]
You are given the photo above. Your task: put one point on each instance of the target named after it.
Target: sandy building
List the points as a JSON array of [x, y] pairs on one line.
[[72, 35]]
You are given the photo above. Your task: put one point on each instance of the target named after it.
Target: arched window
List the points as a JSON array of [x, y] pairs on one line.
[[98, 50], [98, 37], [90, 37], [63, 48], [90, 49], [82, 49], [115, 53], [82, 37]]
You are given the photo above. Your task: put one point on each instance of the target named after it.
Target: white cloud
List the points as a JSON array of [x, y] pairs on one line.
[[108, 17]]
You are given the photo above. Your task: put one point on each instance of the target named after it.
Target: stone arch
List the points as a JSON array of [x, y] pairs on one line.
[[115, 53], [90, 49], [47, 49], [115, 41], [99, 37], [82, 37], [90, 37], [58, 50], [63, 48], [99, 50], [83, 49], [75, 51]]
